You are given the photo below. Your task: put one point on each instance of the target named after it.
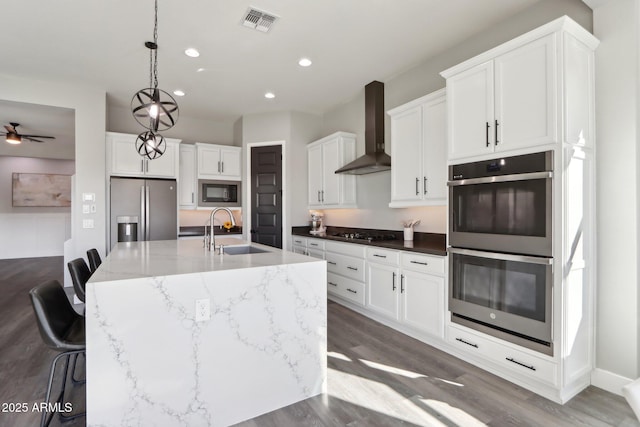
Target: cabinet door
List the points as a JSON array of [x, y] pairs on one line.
[[382, 289], [208, 162], [165, 166], [125, 160], [187, 174], [230, 163], [470, 111], [434, 151], [406, 148], [423, 302], [525, 95], [331, 161], [314, 160]]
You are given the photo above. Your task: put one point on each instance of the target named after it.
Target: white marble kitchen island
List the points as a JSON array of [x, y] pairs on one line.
[[150, 363]]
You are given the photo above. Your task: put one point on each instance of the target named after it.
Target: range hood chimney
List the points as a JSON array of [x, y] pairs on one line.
[[374, 158]]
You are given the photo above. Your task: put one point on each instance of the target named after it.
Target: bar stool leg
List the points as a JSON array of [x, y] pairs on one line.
[[46, 416]]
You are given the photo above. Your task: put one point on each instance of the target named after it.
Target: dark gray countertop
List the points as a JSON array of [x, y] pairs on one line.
[[199, 231], [427, 243]]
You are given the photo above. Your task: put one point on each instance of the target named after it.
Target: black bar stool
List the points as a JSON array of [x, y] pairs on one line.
[[94, 259], [80, 273], [62, 329]]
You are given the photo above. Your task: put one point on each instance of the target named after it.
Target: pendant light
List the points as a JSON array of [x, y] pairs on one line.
[[153, 108]]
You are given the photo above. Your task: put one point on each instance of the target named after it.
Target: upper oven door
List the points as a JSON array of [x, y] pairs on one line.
[[507, 213]]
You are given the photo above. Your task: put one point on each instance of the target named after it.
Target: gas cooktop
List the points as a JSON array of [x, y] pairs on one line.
[[371, 237]]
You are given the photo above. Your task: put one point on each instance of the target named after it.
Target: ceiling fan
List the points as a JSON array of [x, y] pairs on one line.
[[13, 137]]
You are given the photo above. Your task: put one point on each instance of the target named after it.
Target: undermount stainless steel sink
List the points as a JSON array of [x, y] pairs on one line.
[[241, 250]]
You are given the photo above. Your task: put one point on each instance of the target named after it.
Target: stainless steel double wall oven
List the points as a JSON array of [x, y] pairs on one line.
[[501, 258]]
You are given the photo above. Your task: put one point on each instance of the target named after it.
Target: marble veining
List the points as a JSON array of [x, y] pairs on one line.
[[150, 363]]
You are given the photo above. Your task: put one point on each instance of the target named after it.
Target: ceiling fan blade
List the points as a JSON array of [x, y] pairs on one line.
[[30, 139], [10, 129], [38, 136]]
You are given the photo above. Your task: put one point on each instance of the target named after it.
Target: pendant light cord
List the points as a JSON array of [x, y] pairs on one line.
[[155, 51]]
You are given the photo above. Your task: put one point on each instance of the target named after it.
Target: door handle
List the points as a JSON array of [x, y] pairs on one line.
[[496, 133], [221, 167], [402, 283], [218, 167], [322, 196], [318, 196], [417, 191], [487, 133], [393, 281], [425, 185]]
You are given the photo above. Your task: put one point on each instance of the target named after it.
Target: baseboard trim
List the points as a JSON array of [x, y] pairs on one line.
[[609, 381]]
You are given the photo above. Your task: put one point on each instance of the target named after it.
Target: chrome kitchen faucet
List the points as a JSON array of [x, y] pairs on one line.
[[209, 239]]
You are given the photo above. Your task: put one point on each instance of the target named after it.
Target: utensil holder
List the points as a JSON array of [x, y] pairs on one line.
[[408, 233]]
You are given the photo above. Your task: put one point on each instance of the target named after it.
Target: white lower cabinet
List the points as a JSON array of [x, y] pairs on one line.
[[308, 246], [345, 271], [503, 356], [408, 288]]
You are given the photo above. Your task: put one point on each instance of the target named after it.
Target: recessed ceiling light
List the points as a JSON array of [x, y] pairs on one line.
[[192, 52], [269, 95], [304, 62], [199, 70], [178, 92]]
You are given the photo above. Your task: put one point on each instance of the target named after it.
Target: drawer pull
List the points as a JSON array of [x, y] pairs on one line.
[[352, 291], [380, 256], [313, 244], [466, 342], [331, 262], [512, 360], [332, 284], [352, 268], [419, 262]]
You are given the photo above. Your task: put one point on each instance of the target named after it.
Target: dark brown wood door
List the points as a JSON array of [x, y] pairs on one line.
[[266, 195]]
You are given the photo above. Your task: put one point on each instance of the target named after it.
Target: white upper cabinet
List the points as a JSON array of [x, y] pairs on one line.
[[187, 182], [219, 162], [326, 189], [418, 152], [123, 158], [507, 102]]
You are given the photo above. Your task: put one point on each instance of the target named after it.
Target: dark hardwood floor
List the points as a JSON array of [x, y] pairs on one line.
[[376, 376]]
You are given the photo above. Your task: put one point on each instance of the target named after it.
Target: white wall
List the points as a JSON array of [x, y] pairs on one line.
[[374, 190], [617, 160], [90, 117], [188, 129]]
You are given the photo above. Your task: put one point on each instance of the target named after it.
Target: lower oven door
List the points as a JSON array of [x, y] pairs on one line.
[[502, 294]]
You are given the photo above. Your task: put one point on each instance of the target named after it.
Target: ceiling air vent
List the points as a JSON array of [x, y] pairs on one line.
[[259, 20]]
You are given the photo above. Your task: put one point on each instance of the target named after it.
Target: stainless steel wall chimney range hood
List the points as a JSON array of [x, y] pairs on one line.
[[374, 158]]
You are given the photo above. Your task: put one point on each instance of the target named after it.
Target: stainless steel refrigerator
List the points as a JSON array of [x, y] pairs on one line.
[[143, 209]]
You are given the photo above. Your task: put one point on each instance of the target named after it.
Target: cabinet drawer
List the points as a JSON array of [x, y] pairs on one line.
[[345, 288], [315, 244], [315, 253], [346, 266], [350, 249], [383, 256], [423, 263], [517, 361], [299, 241]]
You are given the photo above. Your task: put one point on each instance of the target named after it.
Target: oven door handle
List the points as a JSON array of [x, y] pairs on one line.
[[500, 256], [502, 178]]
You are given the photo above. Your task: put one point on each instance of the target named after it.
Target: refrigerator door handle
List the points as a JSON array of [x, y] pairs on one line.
[[143, 223], [147, 224]]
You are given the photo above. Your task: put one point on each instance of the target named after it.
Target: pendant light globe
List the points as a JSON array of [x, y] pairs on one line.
[[150, 145], [155, 109]]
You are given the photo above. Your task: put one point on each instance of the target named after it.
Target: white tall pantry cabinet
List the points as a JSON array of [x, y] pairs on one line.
[[536, 93]]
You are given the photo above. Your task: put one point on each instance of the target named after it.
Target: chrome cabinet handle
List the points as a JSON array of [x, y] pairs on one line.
[[318, 195], [393, 281], [402, 283], [467, 343], [332, 284], [313, 244], [192, 196], [331, 262], [322, 195], [425, 186], [496, 133], [218, 167], [222, 167], [512, 360], [419, 262], [417, 191], [379, 256], [352, 268], [352, 291]]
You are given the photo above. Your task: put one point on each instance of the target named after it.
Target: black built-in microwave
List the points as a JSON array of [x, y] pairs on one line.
[[219, 193]]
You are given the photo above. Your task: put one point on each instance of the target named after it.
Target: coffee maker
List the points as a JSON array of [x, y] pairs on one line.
[[317, 226]]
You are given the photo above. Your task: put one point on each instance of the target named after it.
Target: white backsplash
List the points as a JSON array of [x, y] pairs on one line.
[[433, 219], [191, 218]]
